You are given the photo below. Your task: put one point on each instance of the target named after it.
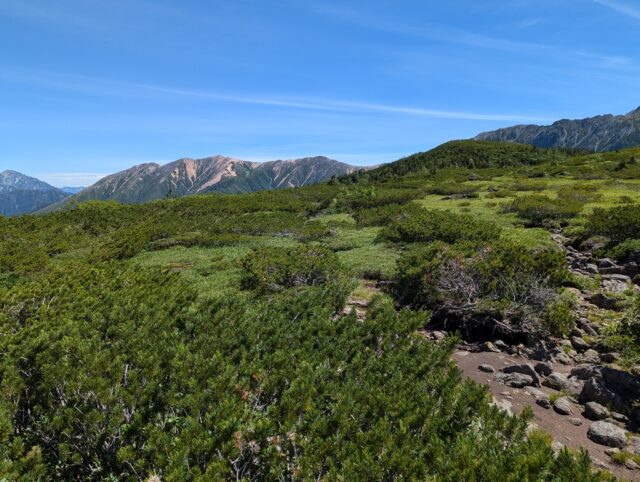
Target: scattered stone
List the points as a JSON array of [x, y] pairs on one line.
[[634, 445], [563, 358], [490, 347], [589, 328], [591, 268], [615, 285], [615, 422], [579, 344], [605, 433], [556, 381], [500, 345], [603, 301], [618, 417], [577, 332], [605, 263], [544, 402], [505, 394], [612, 451], [563, 406], [525, 369], [631, 464], [575, 421], [536, 393], [544, 368], [584, 372], [597, 389], [438, 335], [589, 356], [611, 357], [486, 369], [515, 380], [595, 411], [622, 278]]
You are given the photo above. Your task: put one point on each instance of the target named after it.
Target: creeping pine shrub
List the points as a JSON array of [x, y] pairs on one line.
[[454, 189], [435, 225], [580, 193], [383, 215], [630, 325], [619, 224], [624, 338], [270, 269], [538, 209], [627, 250], [559, 317], [520, 281], [526, 185]]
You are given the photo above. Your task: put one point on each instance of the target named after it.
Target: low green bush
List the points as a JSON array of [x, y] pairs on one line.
[[268, 269], [626, 250], [454, 189], [527, 185], [383, 215], [522, 283], [436, 225], [539, 210], [618, 224]]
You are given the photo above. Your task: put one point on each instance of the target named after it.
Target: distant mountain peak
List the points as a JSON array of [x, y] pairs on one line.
[[218, 173], [20, 194], [14, 180], [600, 133]]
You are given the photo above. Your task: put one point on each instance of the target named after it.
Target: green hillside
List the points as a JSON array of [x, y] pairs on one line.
[[204, 338]]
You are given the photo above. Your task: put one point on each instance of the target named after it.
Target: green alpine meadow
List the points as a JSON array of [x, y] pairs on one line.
[[206, 337]]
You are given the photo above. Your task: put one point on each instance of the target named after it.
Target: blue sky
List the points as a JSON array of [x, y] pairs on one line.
[[89, 87]]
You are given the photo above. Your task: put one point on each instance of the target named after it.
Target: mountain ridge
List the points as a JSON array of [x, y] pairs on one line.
[[601, 133], [187, 176], [22, 194]]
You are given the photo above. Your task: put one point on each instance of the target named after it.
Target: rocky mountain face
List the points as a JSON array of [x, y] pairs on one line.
[[148, 182], [281, 174], [20, 194], [600, 134]]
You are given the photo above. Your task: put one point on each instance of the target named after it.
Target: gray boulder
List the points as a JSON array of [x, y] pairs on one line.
[[515, 380], [544, 402], [611, 387], [579, 344], [544, 368], [563, 406], [536, 393], [562, 358], [556, 380], [604, 302], [525, 369], [584, 372], [595, 411], [560, 382], [589, 356], [605, 433]]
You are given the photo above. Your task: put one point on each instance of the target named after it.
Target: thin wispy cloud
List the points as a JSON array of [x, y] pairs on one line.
[[620, 7], [101, 87], [457, 36]]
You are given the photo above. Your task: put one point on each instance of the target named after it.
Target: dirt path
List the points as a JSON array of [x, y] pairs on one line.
[[515, 400]]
